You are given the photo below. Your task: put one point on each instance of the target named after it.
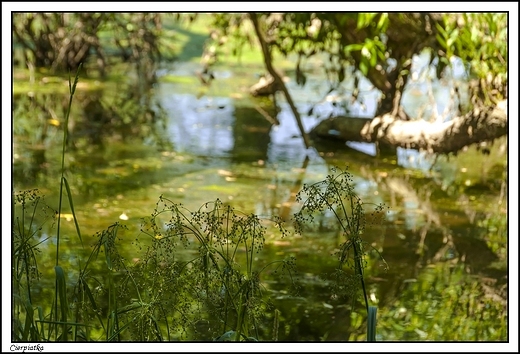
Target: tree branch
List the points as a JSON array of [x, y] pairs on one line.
[[481, 124], [268, 63]]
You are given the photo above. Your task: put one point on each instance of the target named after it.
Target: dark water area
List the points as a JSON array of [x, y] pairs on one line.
[[443, 238]]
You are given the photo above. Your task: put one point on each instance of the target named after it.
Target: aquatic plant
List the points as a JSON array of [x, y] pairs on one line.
[[25, 247], [223, 277], [335, 194], [162, 288], [199, 272]]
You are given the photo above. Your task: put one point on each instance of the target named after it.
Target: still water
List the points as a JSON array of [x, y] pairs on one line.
[[443, 238]]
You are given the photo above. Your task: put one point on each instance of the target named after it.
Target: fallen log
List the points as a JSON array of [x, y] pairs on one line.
[[479, 125]]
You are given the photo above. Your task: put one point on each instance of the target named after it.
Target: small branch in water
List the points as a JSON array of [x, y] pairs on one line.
[[272, 120]]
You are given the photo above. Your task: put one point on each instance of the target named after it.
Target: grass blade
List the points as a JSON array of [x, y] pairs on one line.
[[371, 324], [71, 203], [118, 332], [41, 330], [29, 320], [64, 304], [93, 303]]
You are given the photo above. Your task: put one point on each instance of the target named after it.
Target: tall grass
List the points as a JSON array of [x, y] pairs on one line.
[[25, 266], [197, 274], [60, 287], [25, 272], [220, 286]]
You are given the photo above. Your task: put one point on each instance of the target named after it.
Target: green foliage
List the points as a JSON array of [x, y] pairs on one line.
[[373, 50], [381, 46], [60, 290], [496, 226], [335, 195], [61, 41], [199, 275], [480, 40], [223, 278], [30, 209], [444, 304], [198, 278], [24, 255]]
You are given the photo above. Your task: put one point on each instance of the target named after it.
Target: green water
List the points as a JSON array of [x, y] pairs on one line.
[[444, 238]]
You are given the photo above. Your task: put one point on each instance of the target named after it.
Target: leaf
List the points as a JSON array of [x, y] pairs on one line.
[[360, 21], [133, 306], [115, 334], [371, 324], [373, 57], [353, 47], [441, 40], [229, 336], [69, 195], [364, 19], [383, 21], [366, 52], [64, 304], [29, 313], [92, 301], [363, 68], [441, 30], [107, 255]]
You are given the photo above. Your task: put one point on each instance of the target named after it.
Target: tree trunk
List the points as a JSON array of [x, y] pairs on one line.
[[481, 124], [277, 79]]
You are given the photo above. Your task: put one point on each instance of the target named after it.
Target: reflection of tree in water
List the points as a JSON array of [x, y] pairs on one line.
[[119, 115], [251, 135], [36, 120], [442, 236], [440, 255], [97, 118]]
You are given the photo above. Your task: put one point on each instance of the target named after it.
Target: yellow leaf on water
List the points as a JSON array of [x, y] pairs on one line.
[[67, 217], [281, 243], [54, 122], [225, 173]]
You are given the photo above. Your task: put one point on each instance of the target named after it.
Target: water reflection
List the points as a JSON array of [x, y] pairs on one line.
[[251, 136], [97, 117], [434, 223], [201, 126]]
